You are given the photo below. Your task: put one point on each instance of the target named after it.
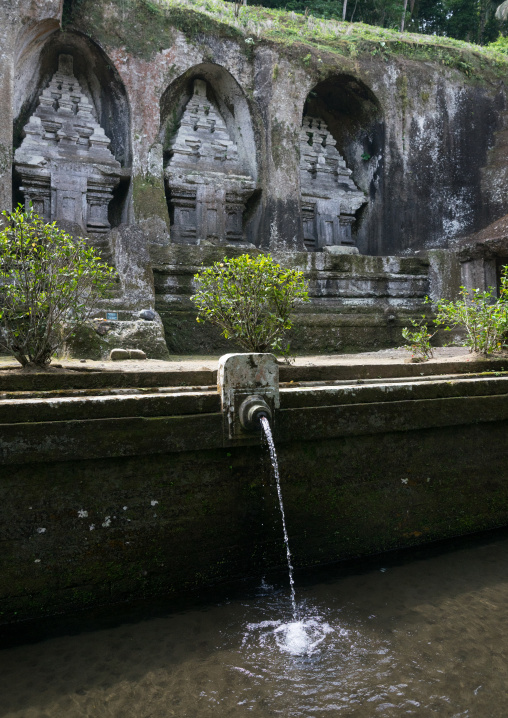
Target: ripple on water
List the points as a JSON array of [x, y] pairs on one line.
[[423, 639]]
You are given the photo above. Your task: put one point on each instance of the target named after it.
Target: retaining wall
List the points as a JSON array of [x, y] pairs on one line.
[[119, 496]]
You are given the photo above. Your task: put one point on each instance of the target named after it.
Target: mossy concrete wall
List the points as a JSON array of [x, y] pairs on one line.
[[95, 511]]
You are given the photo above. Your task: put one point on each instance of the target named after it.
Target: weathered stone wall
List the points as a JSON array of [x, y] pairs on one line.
[[193, 519]]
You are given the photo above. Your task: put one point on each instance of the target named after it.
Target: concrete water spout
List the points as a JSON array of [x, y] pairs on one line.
[[251, 410], [249, 388]]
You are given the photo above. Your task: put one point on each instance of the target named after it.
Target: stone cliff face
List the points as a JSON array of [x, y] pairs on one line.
[[419, 138], [417, 125]]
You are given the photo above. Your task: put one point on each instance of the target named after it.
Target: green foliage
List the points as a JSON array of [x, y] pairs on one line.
[[484, 319], [49, 283], [419, 339], [250, 299]]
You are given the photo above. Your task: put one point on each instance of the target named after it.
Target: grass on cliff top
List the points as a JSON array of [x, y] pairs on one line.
[[350, 39]]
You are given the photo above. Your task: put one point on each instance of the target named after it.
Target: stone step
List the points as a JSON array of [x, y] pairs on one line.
[[52, 406]]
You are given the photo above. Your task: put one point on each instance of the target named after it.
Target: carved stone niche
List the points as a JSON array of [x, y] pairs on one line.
[[330, 198], [67, 170], [207, 184]]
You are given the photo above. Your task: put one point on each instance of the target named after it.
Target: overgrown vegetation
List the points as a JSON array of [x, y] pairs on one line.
[[250, 299], [469, 20], [49, 286], [145, 26], [501, 45]]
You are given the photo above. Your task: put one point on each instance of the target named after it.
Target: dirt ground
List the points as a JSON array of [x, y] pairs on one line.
[[186, 363]]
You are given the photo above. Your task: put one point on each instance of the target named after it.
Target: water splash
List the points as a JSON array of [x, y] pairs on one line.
[[302, 637], [296, 638], [265, 424]]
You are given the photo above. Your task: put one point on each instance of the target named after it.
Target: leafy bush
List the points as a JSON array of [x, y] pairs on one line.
[[49, 284], [484, 319], [419, 340], [250, 299]]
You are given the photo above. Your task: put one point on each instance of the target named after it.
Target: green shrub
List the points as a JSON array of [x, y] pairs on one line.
[[419, 339], [49, 284], [250, 299], [484, 319]]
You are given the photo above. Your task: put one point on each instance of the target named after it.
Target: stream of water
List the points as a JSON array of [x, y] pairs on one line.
[[265, 425]]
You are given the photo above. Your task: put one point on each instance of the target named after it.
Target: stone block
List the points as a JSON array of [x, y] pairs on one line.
[[98, 340], [136, 354], [240, 376], [123, 354], [340, 249], [119, 354]]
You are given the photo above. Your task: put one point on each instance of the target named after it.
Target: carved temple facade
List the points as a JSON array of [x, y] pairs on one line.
[[329, 196], [66, 168], [208, 188], [68, 173]]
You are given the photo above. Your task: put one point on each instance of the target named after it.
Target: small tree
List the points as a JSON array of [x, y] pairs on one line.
[[250, 299], [49, 284]]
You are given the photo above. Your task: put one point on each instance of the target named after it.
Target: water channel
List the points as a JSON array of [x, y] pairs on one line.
[[423, 636]]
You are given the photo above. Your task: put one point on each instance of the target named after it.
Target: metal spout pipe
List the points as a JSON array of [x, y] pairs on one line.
[[252, 409]]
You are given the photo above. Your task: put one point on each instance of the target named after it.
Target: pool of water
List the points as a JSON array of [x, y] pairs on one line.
[[425, 637]]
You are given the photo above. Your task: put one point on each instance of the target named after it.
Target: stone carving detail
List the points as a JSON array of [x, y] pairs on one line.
[[207, 184], [67, 171], [330, 198]]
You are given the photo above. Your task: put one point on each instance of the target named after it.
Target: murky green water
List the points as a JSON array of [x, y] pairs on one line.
[[428, 637]]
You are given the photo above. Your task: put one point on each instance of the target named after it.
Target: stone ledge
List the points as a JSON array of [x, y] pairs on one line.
[[133, 436], [329, 368]]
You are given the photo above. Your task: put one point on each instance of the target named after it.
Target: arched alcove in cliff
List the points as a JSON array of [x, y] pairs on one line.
[[71, 131], [210, 158], [341, 148]]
